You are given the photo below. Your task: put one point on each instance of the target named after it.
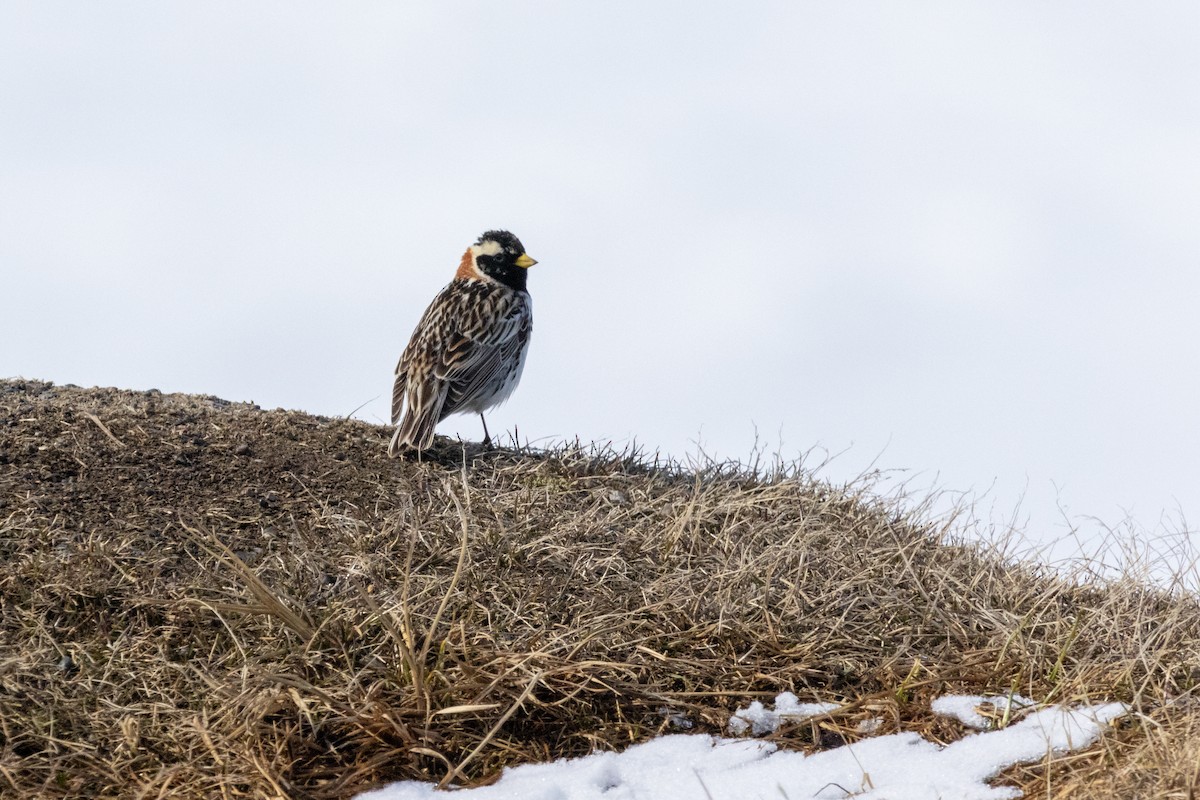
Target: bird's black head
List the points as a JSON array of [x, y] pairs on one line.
[[501, 256]]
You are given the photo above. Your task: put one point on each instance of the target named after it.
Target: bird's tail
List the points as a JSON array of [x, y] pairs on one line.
[[415, 431], [398, 389], [396, 447], [412, 434]]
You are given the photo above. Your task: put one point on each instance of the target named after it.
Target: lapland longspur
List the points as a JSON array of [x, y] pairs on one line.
[[468, 350]]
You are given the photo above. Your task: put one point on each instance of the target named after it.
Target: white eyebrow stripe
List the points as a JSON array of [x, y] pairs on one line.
[[488, 248]]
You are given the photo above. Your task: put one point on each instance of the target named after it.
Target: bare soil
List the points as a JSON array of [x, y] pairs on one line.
[[204, 598]]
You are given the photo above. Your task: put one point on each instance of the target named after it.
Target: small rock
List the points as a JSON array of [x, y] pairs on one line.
[[676, 719]]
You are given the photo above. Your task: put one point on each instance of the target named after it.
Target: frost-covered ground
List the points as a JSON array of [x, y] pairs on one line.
[[901, 766]]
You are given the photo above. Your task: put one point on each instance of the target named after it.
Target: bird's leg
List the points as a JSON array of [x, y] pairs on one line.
[[487, 440]]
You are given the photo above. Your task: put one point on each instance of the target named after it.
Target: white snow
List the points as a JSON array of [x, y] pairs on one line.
[[759, 720], [901, 766], [965, 708]]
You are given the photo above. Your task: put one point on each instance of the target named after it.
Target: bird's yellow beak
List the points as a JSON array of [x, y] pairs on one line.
[[524, 261]]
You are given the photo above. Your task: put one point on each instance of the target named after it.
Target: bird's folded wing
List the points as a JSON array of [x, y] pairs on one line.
[[480, 354], [460, 360], [486, 366]]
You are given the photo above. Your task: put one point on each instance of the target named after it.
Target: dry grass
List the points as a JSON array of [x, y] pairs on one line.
[[205, 599]]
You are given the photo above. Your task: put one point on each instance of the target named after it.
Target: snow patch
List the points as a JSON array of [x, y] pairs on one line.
[[901, 766], [758, 719], [966, 708]]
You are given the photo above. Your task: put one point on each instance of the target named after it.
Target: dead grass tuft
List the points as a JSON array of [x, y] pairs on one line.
[[200, 598]]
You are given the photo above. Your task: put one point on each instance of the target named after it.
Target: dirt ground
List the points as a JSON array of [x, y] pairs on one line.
[[204, 598]]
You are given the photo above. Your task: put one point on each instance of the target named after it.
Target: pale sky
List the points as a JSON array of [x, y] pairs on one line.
[[958, 241]]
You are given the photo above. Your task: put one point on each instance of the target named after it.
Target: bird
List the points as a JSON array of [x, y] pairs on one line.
[[468, 351]]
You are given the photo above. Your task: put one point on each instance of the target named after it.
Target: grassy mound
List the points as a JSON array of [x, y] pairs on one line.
[[202, 598]]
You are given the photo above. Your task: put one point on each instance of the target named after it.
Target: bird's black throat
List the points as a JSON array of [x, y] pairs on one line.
[[500, 268]]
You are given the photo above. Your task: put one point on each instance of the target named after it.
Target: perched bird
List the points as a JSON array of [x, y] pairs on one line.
[[468, 350]]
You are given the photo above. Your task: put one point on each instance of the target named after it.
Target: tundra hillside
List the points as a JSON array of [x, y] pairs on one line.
[[203, 598]]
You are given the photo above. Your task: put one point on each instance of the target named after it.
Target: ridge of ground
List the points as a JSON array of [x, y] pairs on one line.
[[205, 598]]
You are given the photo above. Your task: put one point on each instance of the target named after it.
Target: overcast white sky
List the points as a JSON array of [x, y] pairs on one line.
[[959, 239]]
